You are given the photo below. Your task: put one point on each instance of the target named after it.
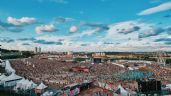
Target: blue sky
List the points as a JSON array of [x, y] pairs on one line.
[[86, 25]]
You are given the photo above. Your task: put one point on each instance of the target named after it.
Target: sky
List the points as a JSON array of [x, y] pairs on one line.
[[86, 25]]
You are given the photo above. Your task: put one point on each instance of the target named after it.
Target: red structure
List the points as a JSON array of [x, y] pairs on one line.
[[80, 69]]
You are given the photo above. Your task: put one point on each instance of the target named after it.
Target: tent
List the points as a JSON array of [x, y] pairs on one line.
[[2, 77], [8, 67], [2, 63], [11, 80], [121, 91], [25, 84], [33, 85], [40, 88], [168, 86], [19, 83]]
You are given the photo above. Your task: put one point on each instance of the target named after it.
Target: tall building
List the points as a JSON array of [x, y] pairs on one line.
[[39, 50], [36, 50]]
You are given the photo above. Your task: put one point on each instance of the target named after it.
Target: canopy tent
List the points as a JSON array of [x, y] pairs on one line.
[[11, 80], [8, 67], [12, 77], [2, 63], [2, 77], [19, 83], [25, 84], [33, 85], [168, 86], [41, 86], [121, 91]]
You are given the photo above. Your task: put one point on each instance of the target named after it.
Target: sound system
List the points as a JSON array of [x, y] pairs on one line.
[[149, 86]]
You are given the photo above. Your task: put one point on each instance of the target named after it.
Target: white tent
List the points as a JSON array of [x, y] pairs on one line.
[[41, 86], [25, 84], [8, 67], [168, 86], [123, 91], [33, 85], [2, 77], [2, 63], [11, 80], [19, 83]]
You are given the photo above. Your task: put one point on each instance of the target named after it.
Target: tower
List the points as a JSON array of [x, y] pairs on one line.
[[36, 50], [40, 50], [160, 56]]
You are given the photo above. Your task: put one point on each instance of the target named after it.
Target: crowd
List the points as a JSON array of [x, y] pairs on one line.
[[161, 73], [57, 74]]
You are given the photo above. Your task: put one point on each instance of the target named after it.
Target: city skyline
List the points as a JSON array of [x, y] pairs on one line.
[[89, 25]]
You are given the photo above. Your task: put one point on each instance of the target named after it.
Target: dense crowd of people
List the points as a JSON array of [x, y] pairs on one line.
[[161, 73], [57, 74]]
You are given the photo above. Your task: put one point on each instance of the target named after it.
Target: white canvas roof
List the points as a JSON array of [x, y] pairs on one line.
[[123, 91], [8, 67], [25, 84], [2, 77], [41, 86], [168, 86], [13, 76]]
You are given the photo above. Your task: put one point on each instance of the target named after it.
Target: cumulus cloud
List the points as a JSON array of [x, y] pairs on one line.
[[73, 29], [159, 8], [22, 21], [89, 32], [9, 27], [45, 28], [102, 27], [150, 31], [124, 27], [142, 29]]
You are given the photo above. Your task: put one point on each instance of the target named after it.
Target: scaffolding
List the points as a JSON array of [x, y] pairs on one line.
[[160, 56]]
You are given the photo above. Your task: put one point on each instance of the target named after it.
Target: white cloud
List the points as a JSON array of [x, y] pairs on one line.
[[73, 29], [89, 32], [160, 8], [115, 31], [21, 21], [133, 29], [45, 28]]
